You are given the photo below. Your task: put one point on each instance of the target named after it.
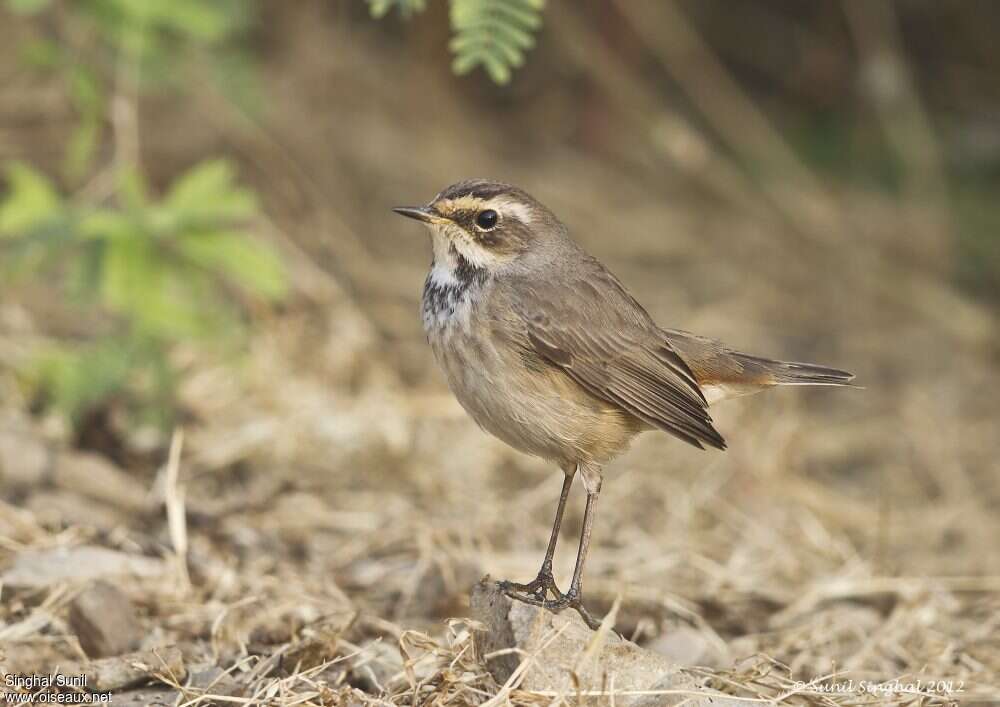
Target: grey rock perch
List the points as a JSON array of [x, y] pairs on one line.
[[565, 657]]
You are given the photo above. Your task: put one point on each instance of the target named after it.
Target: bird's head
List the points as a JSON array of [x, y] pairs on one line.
[[488, 225]]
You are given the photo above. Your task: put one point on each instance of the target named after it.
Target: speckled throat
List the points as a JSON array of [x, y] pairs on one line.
[[446, 290]]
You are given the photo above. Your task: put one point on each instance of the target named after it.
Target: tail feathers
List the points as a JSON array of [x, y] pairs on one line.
[[792, 373]]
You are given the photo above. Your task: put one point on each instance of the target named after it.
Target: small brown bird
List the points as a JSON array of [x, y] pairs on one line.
[[548, 351]]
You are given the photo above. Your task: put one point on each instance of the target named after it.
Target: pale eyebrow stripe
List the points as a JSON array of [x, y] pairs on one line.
[[508, 207], [464, 202], [505, 205]]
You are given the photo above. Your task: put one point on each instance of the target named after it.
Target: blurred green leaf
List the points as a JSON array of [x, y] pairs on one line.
[[100, 224], [84, 272], [178, 306], [248, 265], [208, 192], [493, 34], [77, 379], [150, 272], [129, 272], [160, 33], [166, 270], [132, 190], [204, 21], [31, 200], [88, 99], [138, 283], [139, 28], [497, 67], [380, 8]]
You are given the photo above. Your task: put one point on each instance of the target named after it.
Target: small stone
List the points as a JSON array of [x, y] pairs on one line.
[[132, 669], [212, 680], [377, 665], [55, 507], [95, 477], [40, 569], [105, 621], [24, 456]]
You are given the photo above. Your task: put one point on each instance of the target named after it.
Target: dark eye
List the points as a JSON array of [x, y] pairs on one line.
[[487, 219]]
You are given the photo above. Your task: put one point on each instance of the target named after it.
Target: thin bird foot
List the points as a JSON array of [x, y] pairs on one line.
[[537, 589], [531, 594]]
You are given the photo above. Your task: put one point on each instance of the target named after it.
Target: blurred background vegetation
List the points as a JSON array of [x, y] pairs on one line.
[[896, 99], [195, 233], [144, 273]]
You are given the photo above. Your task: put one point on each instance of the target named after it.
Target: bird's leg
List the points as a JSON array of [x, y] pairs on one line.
[[545, 582], [573, 599]]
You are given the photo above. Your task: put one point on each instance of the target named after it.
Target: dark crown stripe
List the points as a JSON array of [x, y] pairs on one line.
[[479, 189]]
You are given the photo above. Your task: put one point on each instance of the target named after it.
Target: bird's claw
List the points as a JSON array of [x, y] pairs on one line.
[[535, 592]]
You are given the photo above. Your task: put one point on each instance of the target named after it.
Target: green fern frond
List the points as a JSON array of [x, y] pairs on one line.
[[381, 8], [493, 34]]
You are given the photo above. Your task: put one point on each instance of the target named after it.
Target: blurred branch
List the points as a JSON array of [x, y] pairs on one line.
[[174, 493], [125, 103], [673, 133], [892, 89], [735, 32], [683, 53]]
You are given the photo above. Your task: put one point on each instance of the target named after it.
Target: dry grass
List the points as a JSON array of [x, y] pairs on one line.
[[330, 505]]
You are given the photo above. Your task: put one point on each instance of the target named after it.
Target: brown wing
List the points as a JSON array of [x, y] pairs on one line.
[[589, 327]]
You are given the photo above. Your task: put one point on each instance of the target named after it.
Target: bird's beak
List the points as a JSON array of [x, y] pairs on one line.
[[421, 213]]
